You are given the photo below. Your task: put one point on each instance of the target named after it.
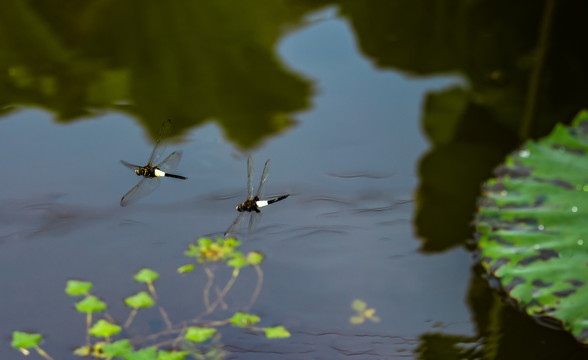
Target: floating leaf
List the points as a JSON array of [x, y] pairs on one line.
[[237, 260], [143, 354], [75, 287], [140, 300], [198, 334], [358, 305], [90, 304], [22, 340], [118, 348], [276, 332], [356, 320], [186, 268], [209, 250], [171, 355], [146, 276], [254, 257], [104, 328], [243, 320], [533, 234], [83, 351]]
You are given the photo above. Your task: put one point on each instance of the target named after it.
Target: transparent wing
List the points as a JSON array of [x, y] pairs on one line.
[[253, 221], [250, 171], [234, 228], [263, 179], [144, 187], [130, 166], [171, 162], [159, 148]]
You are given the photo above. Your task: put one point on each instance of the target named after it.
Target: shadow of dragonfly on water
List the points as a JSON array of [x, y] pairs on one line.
[[253, 203], [150, 172]]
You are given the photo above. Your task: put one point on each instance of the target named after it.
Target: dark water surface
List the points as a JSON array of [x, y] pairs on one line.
[[350, 161]]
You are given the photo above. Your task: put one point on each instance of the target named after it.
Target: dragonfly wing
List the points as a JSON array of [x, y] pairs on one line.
[[234, 228], [171, 162], [250, 171], [253, 221], [159, 147], [130, 166], [264, 176], [144, 187]]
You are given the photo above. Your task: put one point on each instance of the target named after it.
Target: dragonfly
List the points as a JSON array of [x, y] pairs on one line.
[[253, 203], [151, 173]]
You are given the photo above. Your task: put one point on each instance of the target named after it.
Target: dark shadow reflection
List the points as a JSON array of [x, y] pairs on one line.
[[191, 61]]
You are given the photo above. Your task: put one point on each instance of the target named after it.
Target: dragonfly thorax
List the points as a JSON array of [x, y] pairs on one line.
[[249, 205], [147, 171]]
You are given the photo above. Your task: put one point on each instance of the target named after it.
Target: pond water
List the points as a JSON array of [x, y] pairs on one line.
[[350, 163]]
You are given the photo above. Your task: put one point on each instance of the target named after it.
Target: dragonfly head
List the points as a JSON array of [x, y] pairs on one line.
[[138, 171]]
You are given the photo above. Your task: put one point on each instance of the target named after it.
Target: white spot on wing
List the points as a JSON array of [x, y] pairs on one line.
[[159, 172]]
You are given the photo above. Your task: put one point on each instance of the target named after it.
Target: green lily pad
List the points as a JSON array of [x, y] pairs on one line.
[[90, 304], [237, 260], [22, 340], [117, 348], [277, 332], [199, 334], [146, 276], [75, 287], [104, 328], [532, 229], [140, 300], [243, 320]]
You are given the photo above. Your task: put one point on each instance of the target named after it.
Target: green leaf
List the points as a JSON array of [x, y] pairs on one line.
[[83, 351], [254, 257], [243, 320], [358, 305], [75, 287], [198, 334], [171, 355], [186, 268], [143, 354], [118, 348], [276, 332], [22, 340], [356, 320], [533, 234], [104, 328], [140, 300], [146, 276], [237, 260], [90, 304]]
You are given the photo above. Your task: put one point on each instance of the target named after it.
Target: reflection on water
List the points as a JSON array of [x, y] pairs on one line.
[[216, 61]]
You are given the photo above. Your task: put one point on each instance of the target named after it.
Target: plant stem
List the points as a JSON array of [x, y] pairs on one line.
[[257, 287], [43, 353], [131, 317], [165, 318], [206, 292], [88, 325]]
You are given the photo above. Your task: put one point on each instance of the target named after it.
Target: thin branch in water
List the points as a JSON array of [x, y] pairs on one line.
[[165, 318], [206, 292], [257, 287], [223, 304], [152, 290], [88, 325], [131, 317]]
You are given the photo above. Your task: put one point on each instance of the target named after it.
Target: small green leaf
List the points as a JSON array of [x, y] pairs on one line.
[[193, 250], [22, 340], [237, 260], [186, 268], [243, 320], [358, 305], [143, 354], [198, 334], [75, 287], [118, 348], [276, 332], [104, 328], [90, 304], [146, 276], [356, 320], [140, 300], [254, 257], [83, 351], [171, 355]]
